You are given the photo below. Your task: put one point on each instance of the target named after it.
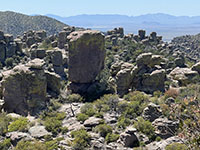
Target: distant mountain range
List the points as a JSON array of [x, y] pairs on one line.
[[166, 25], [16, 23]]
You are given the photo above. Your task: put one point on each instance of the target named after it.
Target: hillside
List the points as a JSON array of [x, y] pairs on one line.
[[16, 23], [166, 25], [88, 90]]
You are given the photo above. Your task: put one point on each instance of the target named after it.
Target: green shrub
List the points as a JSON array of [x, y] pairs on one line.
[[136, 96], [123, 122], [5, 144], [145, 127], [176, 146], [101, 106], [110, 100], [53, 122], [30, 145], [81, 139], [20, 124], [111, 137], [82, 117], [74, 98], [64, 130], [88, 109], [103, 129], [9, 62], [4, 122]]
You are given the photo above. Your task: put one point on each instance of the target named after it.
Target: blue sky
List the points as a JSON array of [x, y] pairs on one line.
[[124, 7]]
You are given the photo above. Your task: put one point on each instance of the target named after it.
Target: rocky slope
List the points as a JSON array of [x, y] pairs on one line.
[[100, 91], [16, 23]]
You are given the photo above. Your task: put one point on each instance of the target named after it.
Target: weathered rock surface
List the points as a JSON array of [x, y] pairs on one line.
[[163, 143], [152, 112], [154, 81], [124, 79], [38, 132], [24, 88], [129, 138], [165, 128], [53, 82], [183, 75], [86, 55]]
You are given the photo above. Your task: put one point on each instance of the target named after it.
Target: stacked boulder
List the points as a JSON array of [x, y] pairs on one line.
[[86, 59], [8, 46], [31, 37], [56, 58], [147, 75], [62, 37], [25, 87]]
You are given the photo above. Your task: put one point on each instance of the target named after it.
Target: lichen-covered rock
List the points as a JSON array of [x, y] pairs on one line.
[[86, 55], [124, 79], [143, 59], [24, 88], [56, 59], [154, 81]]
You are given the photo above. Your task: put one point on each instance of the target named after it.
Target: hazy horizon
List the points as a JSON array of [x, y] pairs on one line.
[[127, 7]]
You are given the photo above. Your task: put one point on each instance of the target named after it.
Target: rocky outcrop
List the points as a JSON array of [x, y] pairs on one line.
[[53, 82], [24, 88], [165, 128], [124, 79], [129, 138], [39, 132], [62, 36], [8, 46], [86, 56], [152, 112], [183, 75], [147, 75], [163, 143], [56, 58]]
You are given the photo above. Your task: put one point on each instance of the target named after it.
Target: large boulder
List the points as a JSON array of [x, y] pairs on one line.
[[86, 55], [56, 59], [154, 81], [39, 132], [165, 128], [24, 88], [53, 82], [124, 79], [129, 138], [183, 75], [152, 112]]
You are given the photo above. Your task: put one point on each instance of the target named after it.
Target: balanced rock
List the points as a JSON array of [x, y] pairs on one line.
[[86, 55]]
